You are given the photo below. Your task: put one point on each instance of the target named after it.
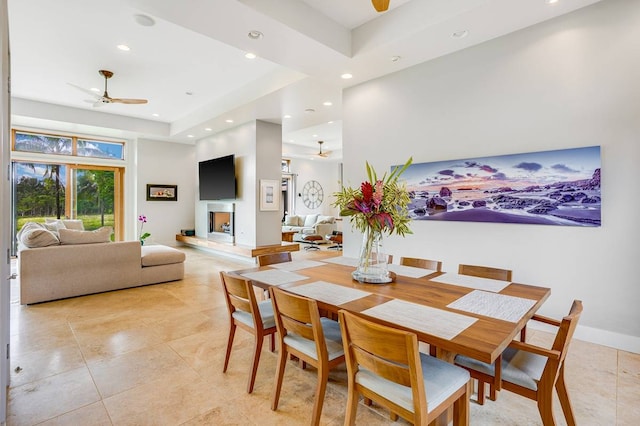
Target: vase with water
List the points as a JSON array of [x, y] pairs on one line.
[[372, 264]]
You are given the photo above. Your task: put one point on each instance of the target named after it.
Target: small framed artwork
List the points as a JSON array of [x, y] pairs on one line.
[[269, 195], [157, 192]]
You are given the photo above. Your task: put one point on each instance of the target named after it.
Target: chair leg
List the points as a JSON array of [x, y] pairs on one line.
[[367, 402], [256, 361], [461, 407], [480, 392], [352, 406], [545, 407], [523, 334], [232, 333], [321, 387], [563, 395], [272, 342], [393, 416], [282, 363]]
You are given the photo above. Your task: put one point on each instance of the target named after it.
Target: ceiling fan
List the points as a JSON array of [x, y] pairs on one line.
[[105, 98], [381, 5], [322, 154]]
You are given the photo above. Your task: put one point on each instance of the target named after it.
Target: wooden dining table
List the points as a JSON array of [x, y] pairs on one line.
[[484, 339]]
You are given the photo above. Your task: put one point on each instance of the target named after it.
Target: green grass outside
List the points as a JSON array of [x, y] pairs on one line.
[[90, 222]]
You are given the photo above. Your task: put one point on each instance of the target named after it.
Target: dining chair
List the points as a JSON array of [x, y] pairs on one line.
[[273, 258], [485, 272], [312, 339], [384, 365], [533, 371], [434, 265], [246, 313], [495, 274]]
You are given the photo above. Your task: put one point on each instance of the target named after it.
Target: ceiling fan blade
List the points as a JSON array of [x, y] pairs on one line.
[[128, 101], [90, 92], [381, 5]]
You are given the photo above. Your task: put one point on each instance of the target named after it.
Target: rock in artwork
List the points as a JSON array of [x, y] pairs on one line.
[[560, 187]]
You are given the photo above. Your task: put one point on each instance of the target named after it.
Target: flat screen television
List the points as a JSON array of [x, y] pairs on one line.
[[217, 178]]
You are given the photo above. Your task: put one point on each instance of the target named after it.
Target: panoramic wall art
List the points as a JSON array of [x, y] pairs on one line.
[[559, 187]]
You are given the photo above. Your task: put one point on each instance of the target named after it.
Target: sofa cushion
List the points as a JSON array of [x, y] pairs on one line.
[[73, 224], [27, 226], [292, 220], [325, 219], [310, 220], [64, 223], [53, 225], [160, 255], [38, 237], [73, 236]]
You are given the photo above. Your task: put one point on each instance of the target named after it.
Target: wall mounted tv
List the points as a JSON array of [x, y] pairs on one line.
[[217, 178]]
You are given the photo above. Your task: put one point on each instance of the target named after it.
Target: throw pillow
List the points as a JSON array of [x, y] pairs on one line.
[[325, 219], [38, 237], [291, 220], [26, 227], [73, 224], [54, 225], [310, 220], [73, 236]]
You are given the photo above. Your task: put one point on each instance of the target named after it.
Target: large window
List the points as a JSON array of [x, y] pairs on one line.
[[44, 188]]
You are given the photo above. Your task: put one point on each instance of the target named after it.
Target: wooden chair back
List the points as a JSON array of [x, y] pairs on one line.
[[297, 314], [566, 329], [485, 272], [434, 265], [273, 258], [239, 294], [387, 352]]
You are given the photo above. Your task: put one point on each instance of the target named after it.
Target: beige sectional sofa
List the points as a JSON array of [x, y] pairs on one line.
[[66, 270]]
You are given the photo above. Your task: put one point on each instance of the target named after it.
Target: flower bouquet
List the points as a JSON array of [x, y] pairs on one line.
[[377, 207]]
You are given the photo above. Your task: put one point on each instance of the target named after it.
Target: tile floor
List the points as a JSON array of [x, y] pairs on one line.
[[153, 356]]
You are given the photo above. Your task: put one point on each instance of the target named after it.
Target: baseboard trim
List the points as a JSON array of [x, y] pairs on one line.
[[598, 336]]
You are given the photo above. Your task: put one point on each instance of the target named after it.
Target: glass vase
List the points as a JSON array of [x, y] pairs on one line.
[[372, 264]]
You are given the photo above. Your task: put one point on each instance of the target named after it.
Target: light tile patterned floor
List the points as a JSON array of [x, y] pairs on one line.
[[153, 356]]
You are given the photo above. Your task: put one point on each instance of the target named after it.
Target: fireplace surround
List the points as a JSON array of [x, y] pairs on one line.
[[220, 219]]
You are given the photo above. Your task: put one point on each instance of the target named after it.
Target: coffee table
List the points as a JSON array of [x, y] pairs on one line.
[[288, 236]]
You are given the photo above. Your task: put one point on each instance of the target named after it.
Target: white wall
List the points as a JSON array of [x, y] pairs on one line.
[[252, 227], [326, 172], [570, 82], [165, 163]]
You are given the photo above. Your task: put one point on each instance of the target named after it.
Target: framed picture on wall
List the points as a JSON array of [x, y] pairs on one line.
[[157, 192], [269, 195]]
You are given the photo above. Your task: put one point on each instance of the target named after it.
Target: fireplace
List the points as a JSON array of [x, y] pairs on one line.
[[221, 222]]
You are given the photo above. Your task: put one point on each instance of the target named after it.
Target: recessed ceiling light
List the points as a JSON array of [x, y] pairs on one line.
[[228, 120], [327, 103], [208, 129], [460, 34], [309, 110], [155, 114], [346, 76], [395, 58], [292, 140], [287, 116], [255, 35], [314, 136], [95, 89], [552, 1], [144, 20], [330, 122], [124, 47], [189, 136], [250, 55]]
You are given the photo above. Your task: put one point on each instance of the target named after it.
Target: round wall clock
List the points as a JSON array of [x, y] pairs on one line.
[[312, 194]]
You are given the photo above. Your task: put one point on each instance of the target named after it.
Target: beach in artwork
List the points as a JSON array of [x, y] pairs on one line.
[[560, 187]]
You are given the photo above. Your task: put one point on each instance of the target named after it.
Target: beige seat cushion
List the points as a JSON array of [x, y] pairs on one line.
[[161, 255], [73, 236]]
